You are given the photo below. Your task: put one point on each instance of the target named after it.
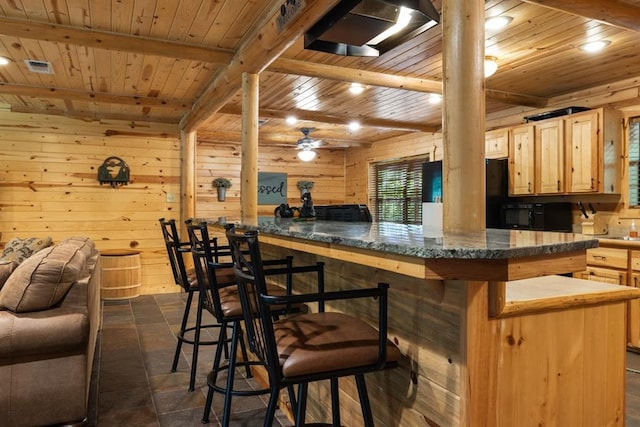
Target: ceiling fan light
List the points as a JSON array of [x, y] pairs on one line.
[[291, 120], [354, 126], [490, 66], [306, 154]]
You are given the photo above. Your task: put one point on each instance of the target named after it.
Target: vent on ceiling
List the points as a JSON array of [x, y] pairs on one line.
[[42, 67]]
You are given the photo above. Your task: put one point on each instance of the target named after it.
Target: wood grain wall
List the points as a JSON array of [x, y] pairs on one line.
[[327, 171], [49, 186]]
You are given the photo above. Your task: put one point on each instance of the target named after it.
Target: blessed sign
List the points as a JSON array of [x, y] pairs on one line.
[[272, 188]]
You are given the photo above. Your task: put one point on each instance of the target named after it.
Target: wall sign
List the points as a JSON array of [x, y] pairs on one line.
[[272, 188], [113, 171]]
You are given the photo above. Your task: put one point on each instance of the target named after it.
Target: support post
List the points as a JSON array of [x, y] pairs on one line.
[[188, 141], [249, 166], [463, 115]]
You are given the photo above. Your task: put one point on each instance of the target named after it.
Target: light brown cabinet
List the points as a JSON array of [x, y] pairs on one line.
[[497, 144], [618, 266], [582, 141], [521, 160], [549, 157], [574, 154]]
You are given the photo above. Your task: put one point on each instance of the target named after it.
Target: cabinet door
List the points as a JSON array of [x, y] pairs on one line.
[[607, 257], [582, 137], [521, 160], [606, 275], [497, 144], [633, 314], [549, 146]]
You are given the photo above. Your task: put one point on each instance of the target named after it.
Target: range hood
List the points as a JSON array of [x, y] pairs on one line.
[[355, 27]]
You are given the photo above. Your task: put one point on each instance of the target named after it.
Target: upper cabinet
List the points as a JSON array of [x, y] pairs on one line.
[[578, 153], [496, 144], [549, 157], [521, 160]]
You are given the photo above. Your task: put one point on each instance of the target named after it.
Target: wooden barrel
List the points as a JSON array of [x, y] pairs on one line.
[[121, 274]]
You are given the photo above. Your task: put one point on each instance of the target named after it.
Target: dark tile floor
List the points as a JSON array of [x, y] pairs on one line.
[[133, 385]]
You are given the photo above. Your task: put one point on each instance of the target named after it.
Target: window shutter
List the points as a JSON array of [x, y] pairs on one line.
[[396, 189], [634, 161]]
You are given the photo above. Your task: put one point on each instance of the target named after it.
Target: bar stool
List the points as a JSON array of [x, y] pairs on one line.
[[309, 347], [223, 301], [188, 281]]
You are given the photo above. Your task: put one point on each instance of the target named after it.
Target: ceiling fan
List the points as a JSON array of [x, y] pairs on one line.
[[306, 145]]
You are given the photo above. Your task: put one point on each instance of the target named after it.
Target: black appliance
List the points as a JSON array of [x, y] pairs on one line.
[[432, 181], [497, 186], [554, 113], [347, 213], [555, 216]]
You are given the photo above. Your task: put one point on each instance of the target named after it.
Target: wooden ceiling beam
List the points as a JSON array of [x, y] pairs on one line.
[[516, 99], [284, 140], [111, 41], [371, 78], [85, 96], [91, 116], [257, 51], [327, 118], [613, 12], [148, 46]]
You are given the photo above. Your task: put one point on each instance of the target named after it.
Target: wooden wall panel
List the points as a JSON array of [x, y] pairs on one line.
[[358, 160], [223, 160], [49, 187]]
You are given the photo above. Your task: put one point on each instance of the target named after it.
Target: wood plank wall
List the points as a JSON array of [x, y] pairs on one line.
[[359, 159], [49, 186], [223, 160]]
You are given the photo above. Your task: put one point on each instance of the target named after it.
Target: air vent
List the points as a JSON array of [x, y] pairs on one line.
[[42, 67]]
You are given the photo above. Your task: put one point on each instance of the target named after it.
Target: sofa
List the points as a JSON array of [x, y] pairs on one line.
[[49, 320]]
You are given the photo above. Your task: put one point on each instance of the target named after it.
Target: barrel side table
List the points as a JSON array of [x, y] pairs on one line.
[[121, 274]]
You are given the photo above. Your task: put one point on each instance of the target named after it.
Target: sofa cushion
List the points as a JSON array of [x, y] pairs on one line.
[[18, 249], [6, 268], [42, 281]]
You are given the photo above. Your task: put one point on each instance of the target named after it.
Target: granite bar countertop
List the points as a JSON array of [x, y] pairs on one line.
[[410, 239]]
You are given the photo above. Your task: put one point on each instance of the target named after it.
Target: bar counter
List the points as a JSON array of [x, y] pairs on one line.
[[491, 337]]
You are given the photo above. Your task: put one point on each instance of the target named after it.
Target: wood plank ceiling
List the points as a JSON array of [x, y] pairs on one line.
[[151, 60]]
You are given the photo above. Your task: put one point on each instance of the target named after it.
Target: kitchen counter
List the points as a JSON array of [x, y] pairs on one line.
[[409, 239], [496, 255], [490, 334]]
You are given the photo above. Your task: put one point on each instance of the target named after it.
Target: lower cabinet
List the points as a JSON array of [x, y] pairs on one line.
[[617, 266]]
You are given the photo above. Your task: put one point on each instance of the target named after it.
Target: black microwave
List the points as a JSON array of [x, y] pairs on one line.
[[555, 216]]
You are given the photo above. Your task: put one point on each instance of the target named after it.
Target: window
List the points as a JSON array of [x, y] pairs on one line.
[[634, 161], [396, 189]]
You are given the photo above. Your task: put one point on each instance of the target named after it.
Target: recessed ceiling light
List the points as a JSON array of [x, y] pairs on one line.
[[595, 46], [291, 120], [435, 98], [497, 22], [354, 126], [356, 88], [4, 61]]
